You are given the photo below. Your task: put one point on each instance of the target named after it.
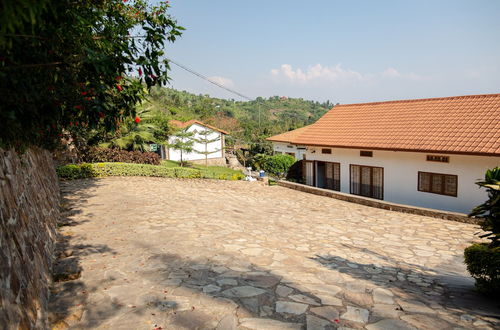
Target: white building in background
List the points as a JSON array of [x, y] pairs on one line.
[[426, 153], [216, 151]]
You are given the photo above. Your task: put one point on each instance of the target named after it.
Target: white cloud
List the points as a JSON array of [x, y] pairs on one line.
[[316, 72], [334, 74], [226, 82], [393, 73]]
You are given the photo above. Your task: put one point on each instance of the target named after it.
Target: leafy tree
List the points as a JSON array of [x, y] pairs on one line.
[[149, 126], [204, 138], [77, 63], [182, 141]]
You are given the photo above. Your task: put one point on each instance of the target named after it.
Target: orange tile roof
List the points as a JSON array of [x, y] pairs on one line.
[[287, 136], [180, 124], [462, 124]]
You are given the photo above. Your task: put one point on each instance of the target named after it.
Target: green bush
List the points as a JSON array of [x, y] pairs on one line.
[[82, 171], [276, 165], [483, 263], [72, 171], [483, 260]]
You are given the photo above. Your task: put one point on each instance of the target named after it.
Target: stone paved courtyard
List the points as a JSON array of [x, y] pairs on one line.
[[198, 254]]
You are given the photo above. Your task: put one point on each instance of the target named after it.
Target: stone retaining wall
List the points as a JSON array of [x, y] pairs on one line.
[[29, 209], [460, 217]]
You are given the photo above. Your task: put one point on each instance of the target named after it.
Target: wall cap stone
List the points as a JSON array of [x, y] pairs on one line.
[[381, 204]]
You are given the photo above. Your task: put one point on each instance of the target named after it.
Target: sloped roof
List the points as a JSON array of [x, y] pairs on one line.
[[180, 124], [287, 136], [462, 124]]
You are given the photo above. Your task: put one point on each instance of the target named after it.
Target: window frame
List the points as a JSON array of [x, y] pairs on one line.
[[443, 175]]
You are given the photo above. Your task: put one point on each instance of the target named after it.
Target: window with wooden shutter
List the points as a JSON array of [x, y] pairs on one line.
[[438, 183]]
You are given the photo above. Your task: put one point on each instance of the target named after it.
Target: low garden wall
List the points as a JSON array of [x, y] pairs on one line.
[[379, 203], [29, 209]]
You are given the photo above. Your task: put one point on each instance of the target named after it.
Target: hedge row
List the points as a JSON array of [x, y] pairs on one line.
[[98, 155], [275, 165], [483, 262], [125, 169]]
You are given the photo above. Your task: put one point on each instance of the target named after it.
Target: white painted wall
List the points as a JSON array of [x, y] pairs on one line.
[[401, 175], [213, 146], [282, 147]]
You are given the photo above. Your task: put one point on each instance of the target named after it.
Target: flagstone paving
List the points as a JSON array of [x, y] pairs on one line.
[[200, 254]]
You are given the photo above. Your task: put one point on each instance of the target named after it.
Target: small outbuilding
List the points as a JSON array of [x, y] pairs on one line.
[[214, 151]]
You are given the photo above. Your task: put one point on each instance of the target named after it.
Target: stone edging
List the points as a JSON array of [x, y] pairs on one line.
[[454, 216]]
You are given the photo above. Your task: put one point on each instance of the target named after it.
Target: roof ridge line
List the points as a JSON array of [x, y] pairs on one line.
[[417, 100]]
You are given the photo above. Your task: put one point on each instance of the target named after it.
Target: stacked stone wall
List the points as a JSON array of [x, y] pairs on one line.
[[29, 209]]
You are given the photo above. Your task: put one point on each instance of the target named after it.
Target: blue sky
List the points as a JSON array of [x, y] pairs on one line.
[[343, 51]]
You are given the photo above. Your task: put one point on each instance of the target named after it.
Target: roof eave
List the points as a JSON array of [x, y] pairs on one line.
[[403, 150]]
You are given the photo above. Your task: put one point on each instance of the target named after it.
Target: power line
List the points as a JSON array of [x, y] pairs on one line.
[[208, 79]]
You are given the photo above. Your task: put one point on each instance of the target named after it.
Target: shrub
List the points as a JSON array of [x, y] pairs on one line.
[[277, 164], [82, 171], [97, 155], [483, 260], [483, 263]]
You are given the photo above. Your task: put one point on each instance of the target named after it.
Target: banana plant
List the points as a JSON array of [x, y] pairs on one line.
[[489, 211]]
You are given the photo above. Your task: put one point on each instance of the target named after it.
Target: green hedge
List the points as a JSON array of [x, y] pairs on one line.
[[483, 263], [82, 171], [276, 165]]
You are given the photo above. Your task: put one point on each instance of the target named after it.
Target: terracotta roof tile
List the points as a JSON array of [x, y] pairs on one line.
[[461, 124], [287, 136]]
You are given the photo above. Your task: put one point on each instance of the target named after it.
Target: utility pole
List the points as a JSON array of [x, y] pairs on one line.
[[258, 109]]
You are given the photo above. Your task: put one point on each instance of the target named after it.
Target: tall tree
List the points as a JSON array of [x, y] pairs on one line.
[[182, 141], [204, 138], [71, 63]]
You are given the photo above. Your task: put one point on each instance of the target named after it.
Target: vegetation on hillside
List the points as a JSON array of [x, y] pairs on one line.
[[248, 122]]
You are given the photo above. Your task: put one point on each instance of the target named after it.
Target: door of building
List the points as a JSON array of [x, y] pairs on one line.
[[328, 175], [367, 181], [309, 173]]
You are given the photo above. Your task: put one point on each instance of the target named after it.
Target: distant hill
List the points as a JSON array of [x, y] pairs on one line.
[[248, 122]]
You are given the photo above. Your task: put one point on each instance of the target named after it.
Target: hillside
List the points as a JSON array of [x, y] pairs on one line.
[[249, 122]]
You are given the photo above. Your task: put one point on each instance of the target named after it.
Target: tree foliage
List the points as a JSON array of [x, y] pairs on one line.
[[248, 122], [183, 141], [204, 139], [483, 259], [489, 211], [137, 134], [66, 64]]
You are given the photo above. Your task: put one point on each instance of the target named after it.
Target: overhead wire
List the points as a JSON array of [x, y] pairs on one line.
[[208, 79]]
